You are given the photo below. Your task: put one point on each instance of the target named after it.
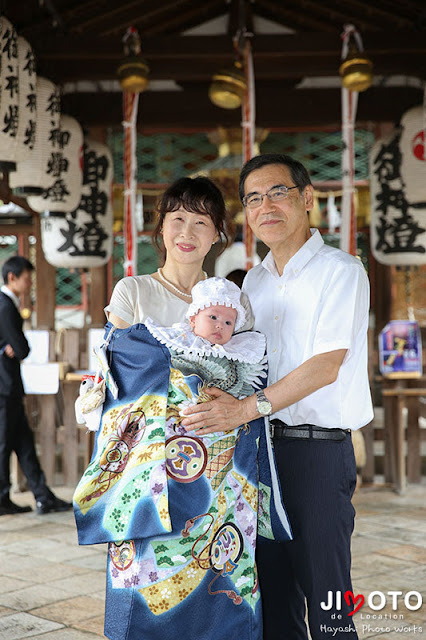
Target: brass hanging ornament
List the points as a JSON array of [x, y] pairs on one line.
[[356, 69], [133, 71], [228, 87]]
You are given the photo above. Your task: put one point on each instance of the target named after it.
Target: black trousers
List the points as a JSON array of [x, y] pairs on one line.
[[16, 435], [318, 479]]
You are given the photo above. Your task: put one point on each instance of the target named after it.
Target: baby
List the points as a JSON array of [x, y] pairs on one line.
[[209, 337], [205, 344]]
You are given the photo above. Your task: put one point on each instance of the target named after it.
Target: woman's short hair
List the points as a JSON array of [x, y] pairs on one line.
[[197, 195]]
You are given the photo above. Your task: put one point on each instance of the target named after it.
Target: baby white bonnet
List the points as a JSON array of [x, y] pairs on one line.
[[213, 291]]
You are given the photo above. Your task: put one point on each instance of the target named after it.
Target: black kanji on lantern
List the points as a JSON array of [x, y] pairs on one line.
[[388, 161], [30, 63], [94, 203], [11, 121], [82, 229], [32, 102], [399, 235], [57, 164], [395, 233], [94, 167], [10, 46], [12, 84], [30, 134], [54, 103], [90, 236], [57, 192]]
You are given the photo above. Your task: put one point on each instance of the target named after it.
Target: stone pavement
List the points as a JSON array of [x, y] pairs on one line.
[[52, 589]]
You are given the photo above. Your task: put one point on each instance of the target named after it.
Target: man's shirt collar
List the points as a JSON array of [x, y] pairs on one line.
[[300, 258], [11, 295]]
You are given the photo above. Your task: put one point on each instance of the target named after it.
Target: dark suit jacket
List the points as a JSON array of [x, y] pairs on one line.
[[11, 333]]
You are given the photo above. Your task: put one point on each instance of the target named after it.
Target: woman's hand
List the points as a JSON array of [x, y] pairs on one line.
[[223, 413]]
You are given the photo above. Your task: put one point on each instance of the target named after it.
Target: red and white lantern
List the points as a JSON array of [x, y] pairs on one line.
[[398, 217], [413, 154]]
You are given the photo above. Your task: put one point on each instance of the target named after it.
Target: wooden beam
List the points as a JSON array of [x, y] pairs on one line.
[[15, 229], [296, 45], [196, 58], [275, 108]]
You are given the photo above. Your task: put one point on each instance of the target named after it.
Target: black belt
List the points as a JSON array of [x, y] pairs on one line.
[[306, 431]]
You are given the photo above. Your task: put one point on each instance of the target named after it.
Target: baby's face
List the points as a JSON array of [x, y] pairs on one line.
[[215, 324]]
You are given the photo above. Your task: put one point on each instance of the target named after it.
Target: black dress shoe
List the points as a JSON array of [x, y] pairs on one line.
[[52, 504], [7, 507]]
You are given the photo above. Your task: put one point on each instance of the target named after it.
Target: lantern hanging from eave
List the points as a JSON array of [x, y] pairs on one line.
[[31, 176], [413, 155], [9, 96], [83, 238], [398, 226], [25, 137], [64, 170]]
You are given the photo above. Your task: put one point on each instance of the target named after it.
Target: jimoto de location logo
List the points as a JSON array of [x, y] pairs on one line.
[[372, 607]]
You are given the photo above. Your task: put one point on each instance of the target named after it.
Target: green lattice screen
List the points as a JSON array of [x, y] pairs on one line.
[[321, 152], [8, 248], [163, 157], [147, 257], [68, 288]]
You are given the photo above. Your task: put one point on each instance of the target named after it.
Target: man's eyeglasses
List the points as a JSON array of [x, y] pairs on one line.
[[254, 200]]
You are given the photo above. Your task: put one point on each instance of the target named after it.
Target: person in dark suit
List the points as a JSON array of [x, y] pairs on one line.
[[15, 432]]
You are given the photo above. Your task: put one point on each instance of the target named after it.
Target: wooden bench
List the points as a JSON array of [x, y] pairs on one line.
[[396, 396]]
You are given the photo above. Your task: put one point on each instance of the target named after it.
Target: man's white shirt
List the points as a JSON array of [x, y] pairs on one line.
[[319, 304]]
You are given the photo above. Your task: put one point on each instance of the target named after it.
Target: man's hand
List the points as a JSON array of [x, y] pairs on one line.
[[223, 413], [8, 351]]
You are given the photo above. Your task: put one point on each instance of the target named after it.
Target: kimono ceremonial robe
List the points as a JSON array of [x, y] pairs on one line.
[[180, 512]]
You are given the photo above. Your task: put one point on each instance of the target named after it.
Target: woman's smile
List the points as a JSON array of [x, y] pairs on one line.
[[185, 247]]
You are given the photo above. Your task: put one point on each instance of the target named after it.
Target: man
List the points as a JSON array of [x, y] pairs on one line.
[[312, 302], [15, 433]]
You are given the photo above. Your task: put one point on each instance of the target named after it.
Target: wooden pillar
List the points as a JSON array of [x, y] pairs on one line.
[[382, 295], [47, 438], [45, 285], [70, 454], [24, 250], [414, 462], [369, 469], [400, 478], [98, 296]]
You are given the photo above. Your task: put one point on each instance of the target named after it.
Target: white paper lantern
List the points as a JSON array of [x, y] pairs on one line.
[[413, 154], [31, 175], [83, 238], [9, 96], [25, 137], [64, 170], [398, 230]]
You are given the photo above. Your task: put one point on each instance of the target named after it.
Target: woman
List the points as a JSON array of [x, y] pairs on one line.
[[179, 512], [192, 217]]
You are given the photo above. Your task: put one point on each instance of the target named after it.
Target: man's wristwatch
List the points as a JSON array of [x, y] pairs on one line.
[[263, 405]]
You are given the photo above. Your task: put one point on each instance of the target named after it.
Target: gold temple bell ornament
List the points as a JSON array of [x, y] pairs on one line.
[[133, 71], [356, 69], [228, 87]]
